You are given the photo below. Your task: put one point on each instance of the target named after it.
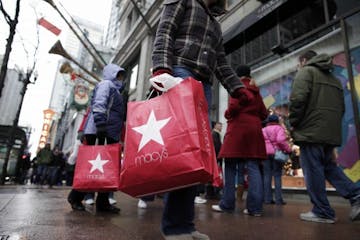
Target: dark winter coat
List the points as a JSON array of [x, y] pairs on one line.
[[243, 137], [107, 106], [188, 35], [217, 141], [317, 103]]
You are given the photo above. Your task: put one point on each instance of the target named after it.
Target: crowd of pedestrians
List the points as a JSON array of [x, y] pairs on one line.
[[188, 43]]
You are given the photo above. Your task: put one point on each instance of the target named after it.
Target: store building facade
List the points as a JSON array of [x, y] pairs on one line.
[[268, 35]]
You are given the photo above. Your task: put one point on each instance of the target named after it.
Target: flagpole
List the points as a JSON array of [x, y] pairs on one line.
[[83, 33], [76, 34]]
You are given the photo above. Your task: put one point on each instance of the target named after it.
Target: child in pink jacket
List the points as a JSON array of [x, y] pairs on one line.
[[275, 138]]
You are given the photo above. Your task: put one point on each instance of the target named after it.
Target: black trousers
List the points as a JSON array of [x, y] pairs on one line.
[[102, 198]]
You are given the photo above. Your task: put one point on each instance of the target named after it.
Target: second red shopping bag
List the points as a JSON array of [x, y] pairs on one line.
[[168, 142]]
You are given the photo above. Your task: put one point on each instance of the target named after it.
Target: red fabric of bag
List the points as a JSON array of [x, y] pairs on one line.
[[97, 168], [168, 142]]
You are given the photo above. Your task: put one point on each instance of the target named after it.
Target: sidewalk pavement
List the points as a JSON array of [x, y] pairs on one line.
[[34, 213]]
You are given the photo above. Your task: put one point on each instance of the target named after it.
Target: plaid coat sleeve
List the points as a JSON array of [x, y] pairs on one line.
[[225, 74], [170, 19]]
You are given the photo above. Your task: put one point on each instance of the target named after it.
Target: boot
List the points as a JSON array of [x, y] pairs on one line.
[[240, 192]]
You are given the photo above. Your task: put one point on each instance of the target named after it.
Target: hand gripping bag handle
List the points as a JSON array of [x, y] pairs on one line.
[[166, 80]]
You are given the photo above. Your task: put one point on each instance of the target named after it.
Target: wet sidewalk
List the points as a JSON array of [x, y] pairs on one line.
[[34, 213]]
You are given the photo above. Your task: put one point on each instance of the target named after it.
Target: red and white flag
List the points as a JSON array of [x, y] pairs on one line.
[[49, 26]]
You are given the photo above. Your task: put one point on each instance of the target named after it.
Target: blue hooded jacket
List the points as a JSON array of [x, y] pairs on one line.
[[107, 104]]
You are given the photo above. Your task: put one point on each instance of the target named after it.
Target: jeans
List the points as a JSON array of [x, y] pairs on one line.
[[240, 174], [318, 166], [179, 209], [272, 168], [254, 198], [41, 173], [53, 176]]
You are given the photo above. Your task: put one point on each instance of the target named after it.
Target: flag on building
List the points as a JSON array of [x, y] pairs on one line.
[[49, 26]]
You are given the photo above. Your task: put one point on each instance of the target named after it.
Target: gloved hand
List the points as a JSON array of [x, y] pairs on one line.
[[157, 73], [244, 95], [101, 131]]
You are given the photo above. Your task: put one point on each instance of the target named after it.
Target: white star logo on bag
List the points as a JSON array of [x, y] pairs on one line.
[[98, 164], [151, 130]]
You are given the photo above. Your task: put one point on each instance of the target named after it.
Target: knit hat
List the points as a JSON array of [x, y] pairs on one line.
[[243, 71], [273, 118]]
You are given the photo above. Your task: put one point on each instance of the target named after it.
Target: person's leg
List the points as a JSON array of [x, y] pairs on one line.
[[75, 198], [227, 202], [178, 215], [179, 212], [277, 173], [267, 166], [343, 185], [255, 196], [312, 161]]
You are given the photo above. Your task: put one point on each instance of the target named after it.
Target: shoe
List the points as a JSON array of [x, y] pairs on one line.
[[109, 209], [281, 203], [178, 237], [199, 200], [112, 201], [246, 212], [199, 236], [355, 212], [311, 217], [89, 201], [217, 208], [77, 206], [142, 204]]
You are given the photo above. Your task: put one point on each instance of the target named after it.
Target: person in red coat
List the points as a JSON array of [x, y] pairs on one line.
[[244, 144]]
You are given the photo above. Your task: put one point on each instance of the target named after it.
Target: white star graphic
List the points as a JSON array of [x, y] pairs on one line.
[[98, 164], [151, 130]]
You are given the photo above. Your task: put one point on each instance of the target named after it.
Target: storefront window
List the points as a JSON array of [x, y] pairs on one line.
[[299, 23], [349, 152]]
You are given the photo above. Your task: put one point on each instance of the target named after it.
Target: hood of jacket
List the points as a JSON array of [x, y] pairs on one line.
[[321, 61], [109, 74]]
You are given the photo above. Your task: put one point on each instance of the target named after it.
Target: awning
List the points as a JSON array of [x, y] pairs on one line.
[[251, 19]]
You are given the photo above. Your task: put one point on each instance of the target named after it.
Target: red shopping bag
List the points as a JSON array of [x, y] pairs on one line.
[[168, 142], [97, 168]]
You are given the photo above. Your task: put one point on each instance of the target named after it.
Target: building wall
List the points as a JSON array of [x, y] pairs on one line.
[[10, 98]]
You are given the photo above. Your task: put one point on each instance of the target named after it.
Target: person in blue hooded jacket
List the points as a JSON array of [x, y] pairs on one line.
[[105, 121]]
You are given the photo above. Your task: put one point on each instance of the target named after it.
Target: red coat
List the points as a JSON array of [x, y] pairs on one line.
[[243, 137]]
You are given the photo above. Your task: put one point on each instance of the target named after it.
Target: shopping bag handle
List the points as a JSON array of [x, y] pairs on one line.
[[97, 141], [164, 82]]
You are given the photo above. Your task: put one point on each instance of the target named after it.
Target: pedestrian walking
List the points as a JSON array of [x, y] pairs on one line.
[[43, 159], [104, 125], [275, 139], [316, 111], [244, 144], [188, 43]]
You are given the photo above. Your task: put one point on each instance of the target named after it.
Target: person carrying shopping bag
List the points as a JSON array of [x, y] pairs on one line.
[[188, 43], [105, 121]]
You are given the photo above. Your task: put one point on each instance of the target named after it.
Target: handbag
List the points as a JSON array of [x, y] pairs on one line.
[[168, 140], [279, 155], [97, 168]]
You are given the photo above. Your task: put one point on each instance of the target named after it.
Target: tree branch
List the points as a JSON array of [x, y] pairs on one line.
[[6, 15]]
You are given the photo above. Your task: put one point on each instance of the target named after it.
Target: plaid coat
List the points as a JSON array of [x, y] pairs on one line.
[[188, 35]]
